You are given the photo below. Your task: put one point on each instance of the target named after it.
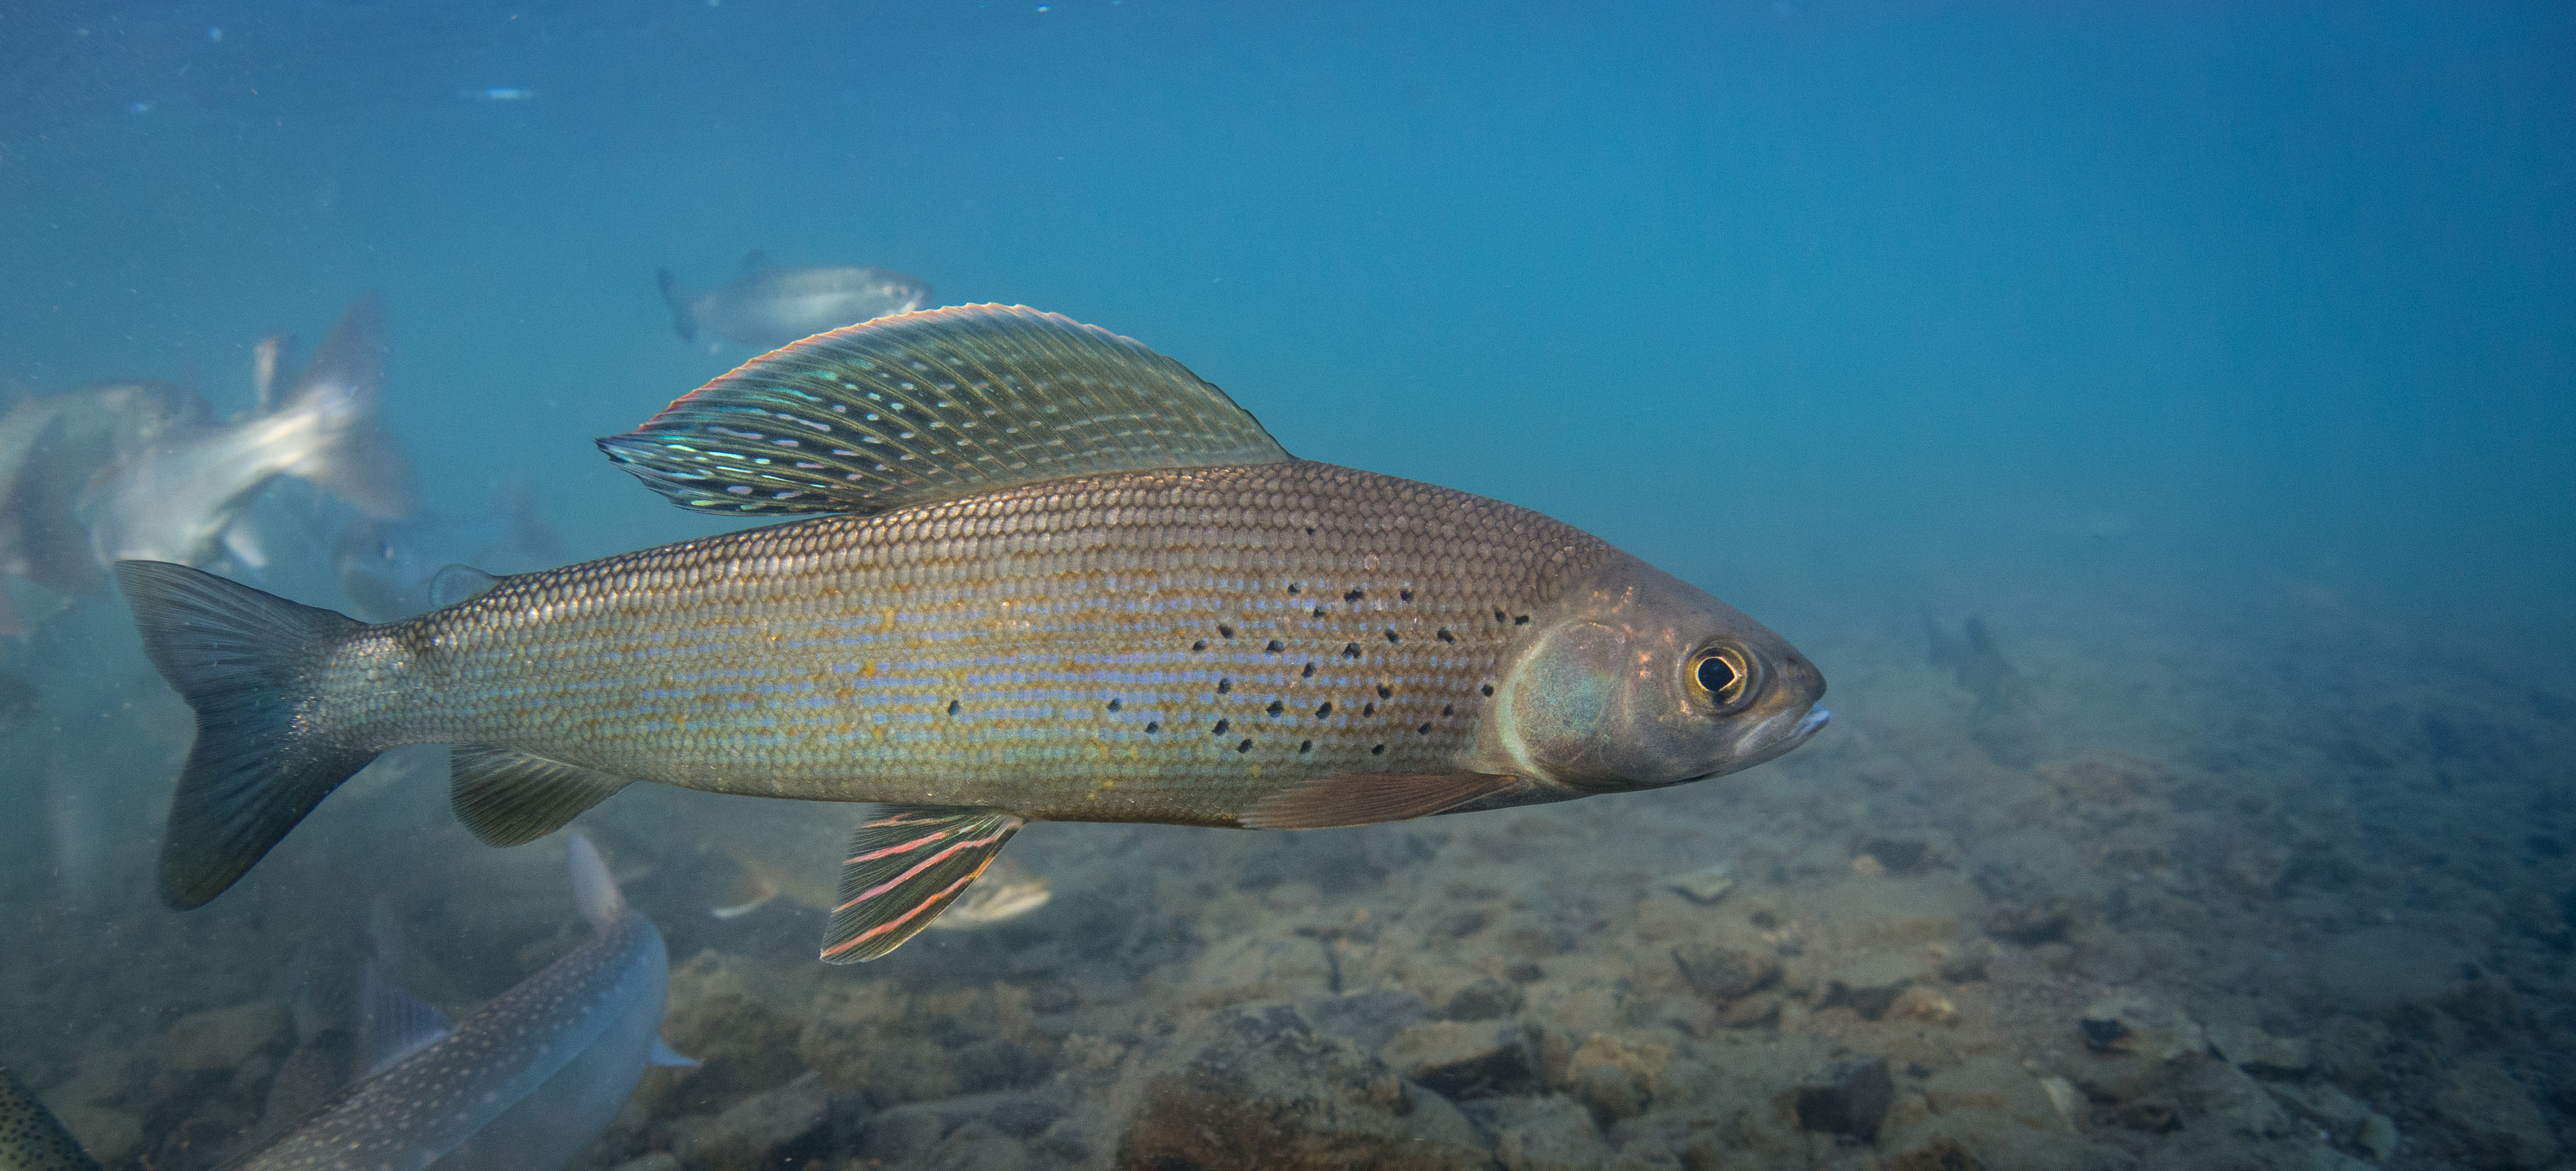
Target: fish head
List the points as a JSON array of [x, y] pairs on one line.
[[1636, 679], [903, 294]]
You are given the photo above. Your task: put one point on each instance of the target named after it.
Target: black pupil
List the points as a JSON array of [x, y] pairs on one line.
[[1716, 674]]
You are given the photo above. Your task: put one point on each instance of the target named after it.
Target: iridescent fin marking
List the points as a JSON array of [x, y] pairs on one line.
[[932, 406], [512, 798], [1370, 798], [905, 866]]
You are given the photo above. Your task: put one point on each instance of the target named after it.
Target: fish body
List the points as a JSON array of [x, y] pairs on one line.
[[174, 499], [769, 306], [30, 1137], [389, 564], [1121, 601], [524, 1082], [52, 450]]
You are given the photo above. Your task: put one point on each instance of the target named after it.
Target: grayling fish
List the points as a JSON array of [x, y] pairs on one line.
[[52, 448], [524, 1082], [768, 306], [1061, 578], [174, 499], [30, 1137], [389, 565]]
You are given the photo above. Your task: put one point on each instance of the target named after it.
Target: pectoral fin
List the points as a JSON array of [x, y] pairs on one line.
[[1370, 798], [905, 866], [512, 798]]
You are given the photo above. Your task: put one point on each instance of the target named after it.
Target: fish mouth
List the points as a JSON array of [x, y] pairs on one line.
[[1781, 733]]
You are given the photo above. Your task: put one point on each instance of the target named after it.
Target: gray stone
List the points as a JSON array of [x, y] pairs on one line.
[[2126, 1022], [2378, 1137], [1465, 1059], [1725, 974], [1705, 885], [1850, 1099], [1484, 1000], [1366, 1019], [2496, 1120], [977, 1147], [1545, 1134], [764, 1130], [1258, 1088], [2258, 1052]]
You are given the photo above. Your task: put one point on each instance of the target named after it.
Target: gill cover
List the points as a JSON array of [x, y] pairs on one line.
[[1614, 691]]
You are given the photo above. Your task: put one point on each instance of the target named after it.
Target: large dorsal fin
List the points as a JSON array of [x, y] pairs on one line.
[[931, 406]]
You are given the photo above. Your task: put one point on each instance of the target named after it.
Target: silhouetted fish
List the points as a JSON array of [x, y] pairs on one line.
[[767, 306], [389, 565], [52, 449], [1068, 580], [1998, 723]]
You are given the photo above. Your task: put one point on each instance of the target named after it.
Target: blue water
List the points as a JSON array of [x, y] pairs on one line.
[[2221, 354]]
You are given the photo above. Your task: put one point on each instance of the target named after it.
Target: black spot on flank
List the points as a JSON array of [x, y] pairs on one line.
[[1520, 620], [1309, 672], [1353, 596], [1319, 611], [1499, 616], [1310, 532], [1385, 692], [1153, 726], [1276, 707], [1448, 710], [1200, 645], [1404, 595], [1380, 750], [1223, 629], [952, 707], [1292, 586], [1221, 726], [1305, 746], [1113, 705], [1224, 685], [1444, 635], [1368, 709], [1350, 650], [1246, 746], [1489, 689], [1390, 634], [1425, 729], [1276, 646], [1323, 709]]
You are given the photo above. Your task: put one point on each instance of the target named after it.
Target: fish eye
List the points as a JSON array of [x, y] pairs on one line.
[[1721, 676]]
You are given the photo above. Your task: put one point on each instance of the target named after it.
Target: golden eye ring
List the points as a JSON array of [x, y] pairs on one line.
[[1720, 676]]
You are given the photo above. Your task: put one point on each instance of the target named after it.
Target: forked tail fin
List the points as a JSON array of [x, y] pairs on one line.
[[341, 389], [248, 662]]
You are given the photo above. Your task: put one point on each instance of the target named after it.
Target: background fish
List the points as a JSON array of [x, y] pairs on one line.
[[173, 500], [388, 564], [768, 306], [30, 1138], [52, 449], [1074, 582], [523, 1082]]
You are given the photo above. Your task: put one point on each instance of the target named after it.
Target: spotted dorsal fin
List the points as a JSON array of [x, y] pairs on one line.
[[932, 406]]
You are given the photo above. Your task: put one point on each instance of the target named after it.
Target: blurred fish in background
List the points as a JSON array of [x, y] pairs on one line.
[[390, 565], [178, 498], [146, 469], [769, 306]]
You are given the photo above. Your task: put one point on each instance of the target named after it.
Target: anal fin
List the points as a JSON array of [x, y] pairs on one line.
[[511, 798], [905, 866], [1346, 799]]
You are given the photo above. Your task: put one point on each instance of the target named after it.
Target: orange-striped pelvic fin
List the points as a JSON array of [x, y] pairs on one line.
[[905, 866]]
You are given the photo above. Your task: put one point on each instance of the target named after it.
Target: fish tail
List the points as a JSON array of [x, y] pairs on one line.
[[248, 662], [681, 318], [347, 450]]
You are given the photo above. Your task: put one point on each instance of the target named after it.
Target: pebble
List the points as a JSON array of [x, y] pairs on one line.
[[1705, 885]]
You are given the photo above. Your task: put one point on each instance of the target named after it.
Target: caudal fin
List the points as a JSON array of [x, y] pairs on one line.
[[248, 663], [353, 455], [682, 319]]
